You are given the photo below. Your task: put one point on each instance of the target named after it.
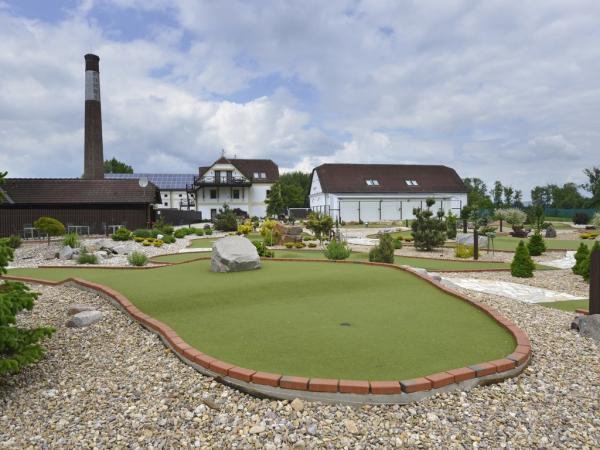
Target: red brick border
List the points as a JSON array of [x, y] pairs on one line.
[[518, 359]]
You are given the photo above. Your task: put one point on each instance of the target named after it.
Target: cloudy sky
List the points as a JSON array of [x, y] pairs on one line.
[[503, 89]]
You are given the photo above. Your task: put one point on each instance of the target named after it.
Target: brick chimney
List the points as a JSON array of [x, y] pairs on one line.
[[93, 168]]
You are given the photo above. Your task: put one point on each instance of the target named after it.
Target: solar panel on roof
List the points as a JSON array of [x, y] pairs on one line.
[[167, 181]]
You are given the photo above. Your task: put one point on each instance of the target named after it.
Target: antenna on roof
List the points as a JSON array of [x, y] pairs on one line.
[[222, 152]]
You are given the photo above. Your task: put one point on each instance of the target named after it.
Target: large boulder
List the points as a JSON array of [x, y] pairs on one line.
[[550, 232], [287, 233], [66, 253], [588, 326], [234, 254], [469, 239]]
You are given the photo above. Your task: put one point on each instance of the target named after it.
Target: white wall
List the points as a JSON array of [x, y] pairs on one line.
[[171, 198]]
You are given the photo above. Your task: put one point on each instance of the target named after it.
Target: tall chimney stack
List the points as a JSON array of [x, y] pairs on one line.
[[94, 154]]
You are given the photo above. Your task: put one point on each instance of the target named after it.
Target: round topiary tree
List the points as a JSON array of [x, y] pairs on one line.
[[582, 253], [536, 245], [50, 226], [522, 265]]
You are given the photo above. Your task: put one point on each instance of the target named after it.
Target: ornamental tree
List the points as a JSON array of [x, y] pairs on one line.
[[320, 224], [582, 253], [536, 244], [522, 265], [50, 226], [428, 231]]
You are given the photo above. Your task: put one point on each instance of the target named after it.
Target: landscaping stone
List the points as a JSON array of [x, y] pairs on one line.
[[288, 233], [66, 253], [234, 254], [297, 405], [77, 308], [588, 326], [550, 232], [469, 239], [84, 319]]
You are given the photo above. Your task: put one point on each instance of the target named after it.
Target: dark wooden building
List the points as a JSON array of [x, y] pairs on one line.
[[92, 203]]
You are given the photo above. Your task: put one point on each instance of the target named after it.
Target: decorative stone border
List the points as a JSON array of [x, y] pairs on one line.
[[278, 386]]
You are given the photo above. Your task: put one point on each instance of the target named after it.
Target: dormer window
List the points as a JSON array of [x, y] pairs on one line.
[[411, 182], [372, 182], [259, 175]]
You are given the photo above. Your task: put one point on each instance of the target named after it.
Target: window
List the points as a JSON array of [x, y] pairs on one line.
[[373, 182], [263, 175], [236, 193], [166, 204], [180, 195], [213, 194], [411, 182], [255, 175], [259, 175], [166, 195]]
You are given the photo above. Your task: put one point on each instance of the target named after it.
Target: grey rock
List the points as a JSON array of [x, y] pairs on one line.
[[65, 253], [101, 254], [234, 254], [84, 319], [550, 232], [77, 308], [468, 239], [588, 326]]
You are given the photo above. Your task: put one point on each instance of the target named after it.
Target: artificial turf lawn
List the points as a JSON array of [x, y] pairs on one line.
[[286, 316], [208, 242], [568, 305]]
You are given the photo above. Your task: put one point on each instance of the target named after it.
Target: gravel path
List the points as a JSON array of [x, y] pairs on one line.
[[115, 385]]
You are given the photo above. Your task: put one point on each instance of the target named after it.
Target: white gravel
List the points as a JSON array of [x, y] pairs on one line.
[[114, 385]]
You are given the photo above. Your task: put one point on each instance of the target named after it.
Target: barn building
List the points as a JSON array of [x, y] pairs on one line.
[[384, 192], [91, 203]]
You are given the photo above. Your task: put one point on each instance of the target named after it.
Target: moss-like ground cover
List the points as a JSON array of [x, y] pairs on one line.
[[568, 305], [286, 317]]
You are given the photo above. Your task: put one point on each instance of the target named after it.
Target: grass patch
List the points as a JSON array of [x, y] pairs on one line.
[[208, 242], [286, 317], [568, 305]]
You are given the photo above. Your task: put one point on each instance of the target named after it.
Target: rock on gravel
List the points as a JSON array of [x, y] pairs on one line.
[[118, 386], [84, 319], [75, 309], [588, 326]]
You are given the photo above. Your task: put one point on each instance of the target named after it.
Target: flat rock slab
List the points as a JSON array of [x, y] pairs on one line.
[[234, 254], [84, 319], [563, 263], [77, 308]]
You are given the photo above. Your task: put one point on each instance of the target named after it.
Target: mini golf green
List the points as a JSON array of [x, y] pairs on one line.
[[568, 305], [310, 319]]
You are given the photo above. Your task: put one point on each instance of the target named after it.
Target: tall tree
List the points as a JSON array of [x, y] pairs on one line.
[[477, 193], [295, 187], [274, 201], [567, 196], [593, 185], [508, 195], [115, 166], [542, 195], [497, 194], [2, 176], [518, 203]]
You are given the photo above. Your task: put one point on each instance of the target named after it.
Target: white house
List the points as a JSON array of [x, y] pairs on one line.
[[384, 192], [241, 183], [172, 187]]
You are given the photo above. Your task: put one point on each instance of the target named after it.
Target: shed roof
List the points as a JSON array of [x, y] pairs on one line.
[[78, 191], [390, 178]]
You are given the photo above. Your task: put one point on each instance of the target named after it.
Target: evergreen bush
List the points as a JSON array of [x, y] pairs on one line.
[[262, 249], [384, 251], [86, 257], [582, 253], [587, 262], [122, 234], [226, 219], [18, 346], [143, 233], [428, 231], [451, 224], [208, 231], [337, 250], [522, 265], [49, 226], [398, 243], [169, 239], [536, 245], [71, 240], [13, 241], [137, 259]]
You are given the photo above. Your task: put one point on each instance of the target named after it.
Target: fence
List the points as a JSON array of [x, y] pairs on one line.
[[179, 217], [569, 213]]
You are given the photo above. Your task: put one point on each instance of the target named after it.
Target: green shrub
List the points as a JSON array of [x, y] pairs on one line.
[[522, 265], [289, 244], [139, 239], [536, 245], [71, 240], [582, 253], [137, 259], [147, 243], [169, 239], [180, 233], [262, 249], [18, 346], [122, 234], [428, 231], [398, 243], [300, 245], [226, 219], [312, 245], [158, 243], [463, 251], [49, 226], [337, 250], [199, 231], [587, 262], [307, 238], [320, 224], [580, 218], [451, 223], [86, 257], [384, 251], [208, 231], [143, 233], [13, 241]]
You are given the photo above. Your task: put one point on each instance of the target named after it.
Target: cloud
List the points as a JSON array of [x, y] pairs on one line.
[[497, 90]]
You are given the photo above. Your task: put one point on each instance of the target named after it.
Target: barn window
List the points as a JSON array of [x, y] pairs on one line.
[[411, 182], [372, 182], [213, 194]]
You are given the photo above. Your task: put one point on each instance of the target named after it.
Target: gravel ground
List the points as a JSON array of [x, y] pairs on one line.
[[114, 385]]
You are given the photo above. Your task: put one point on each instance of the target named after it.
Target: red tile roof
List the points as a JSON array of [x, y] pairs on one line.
[[76, 190], [391, 178]]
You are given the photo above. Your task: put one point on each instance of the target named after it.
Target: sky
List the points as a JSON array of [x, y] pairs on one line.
[[497, 89]]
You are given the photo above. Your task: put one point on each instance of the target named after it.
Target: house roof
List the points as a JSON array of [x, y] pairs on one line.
[[163, 181], [78, 191], [249, 167], [391, 178]]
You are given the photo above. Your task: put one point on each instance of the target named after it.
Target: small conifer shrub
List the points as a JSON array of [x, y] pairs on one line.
[[522, 265], [536, 244]]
